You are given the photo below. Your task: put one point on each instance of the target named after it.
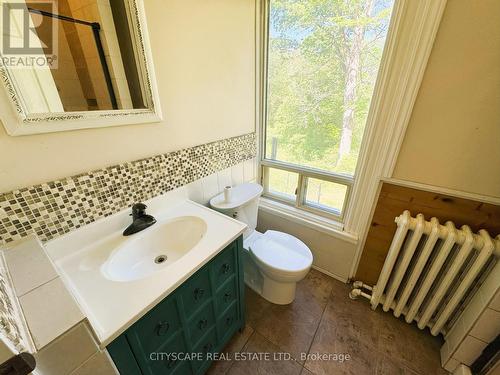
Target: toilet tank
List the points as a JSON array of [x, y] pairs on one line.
[[242, 204]]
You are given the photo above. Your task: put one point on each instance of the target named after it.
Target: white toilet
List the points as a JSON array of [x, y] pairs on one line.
[[274, 261]]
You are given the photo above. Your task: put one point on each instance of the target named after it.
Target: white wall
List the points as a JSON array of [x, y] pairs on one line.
[[203, 53]]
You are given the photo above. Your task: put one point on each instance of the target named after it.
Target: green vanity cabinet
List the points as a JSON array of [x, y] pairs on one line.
[[199, 317]]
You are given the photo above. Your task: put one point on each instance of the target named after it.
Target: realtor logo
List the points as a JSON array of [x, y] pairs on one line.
[[29, 34]]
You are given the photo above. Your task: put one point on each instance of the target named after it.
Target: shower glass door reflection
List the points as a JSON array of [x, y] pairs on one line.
[[82, 76]]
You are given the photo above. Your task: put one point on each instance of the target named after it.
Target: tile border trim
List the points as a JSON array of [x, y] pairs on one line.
[[54, 208]]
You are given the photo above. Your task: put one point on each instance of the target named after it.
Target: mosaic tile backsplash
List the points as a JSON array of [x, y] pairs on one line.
[[52, 209]]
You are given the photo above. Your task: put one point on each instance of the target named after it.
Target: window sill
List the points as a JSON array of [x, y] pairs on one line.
[[311, 220]]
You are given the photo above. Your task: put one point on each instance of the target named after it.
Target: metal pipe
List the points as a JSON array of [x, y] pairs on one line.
[[482, 259], [405, 262], [397, 242], [461, 236], [417, 271], [59, 16], [97, 36], [355, 293], [444, 251], [403, 253]]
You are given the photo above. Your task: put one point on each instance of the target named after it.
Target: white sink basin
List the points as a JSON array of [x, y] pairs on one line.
[[160, 246], [115, 279]]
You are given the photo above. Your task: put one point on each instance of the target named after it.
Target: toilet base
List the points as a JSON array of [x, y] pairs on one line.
[[279, 293]]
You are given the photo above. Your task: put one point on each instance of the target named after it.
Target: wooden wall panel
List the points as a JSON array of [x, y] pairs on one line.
[[394, 199]]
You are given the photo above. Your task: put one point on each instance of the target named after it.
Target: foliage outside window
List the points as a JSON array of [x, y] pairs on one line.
[[322, 62]]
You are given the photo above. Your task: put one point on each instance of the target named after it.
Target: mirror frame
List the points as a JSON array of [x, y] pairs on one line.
[[18, 122]]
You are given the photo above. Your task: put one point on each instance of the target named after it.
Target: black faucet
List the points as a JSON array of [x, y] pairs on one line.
[[140, 220]]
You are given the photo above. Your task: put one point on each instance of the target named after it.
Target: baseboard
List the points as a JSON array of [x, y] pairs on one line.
[[336, 277]]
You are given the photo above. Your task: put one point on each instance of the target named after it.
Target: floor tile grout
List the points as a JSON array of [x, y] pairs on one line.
[[381, 340], [317, 328], [243, 346]]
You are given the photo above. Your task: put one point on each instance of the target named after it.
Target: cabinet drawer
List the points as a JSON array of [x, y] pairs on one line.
[[167, 359], [157, 326], [226, 294], [207, 345], [201, 323], [224, 265], [195, 292], [227, 323]]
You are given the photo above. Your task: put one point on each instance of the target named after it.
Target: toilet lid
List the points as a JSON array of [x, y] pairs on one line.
[[240, 195], [282, 251]]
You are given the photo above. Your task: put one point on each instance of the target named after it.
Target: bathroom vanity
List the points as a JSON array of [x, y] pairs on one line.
[[179, 334], [163, 300]]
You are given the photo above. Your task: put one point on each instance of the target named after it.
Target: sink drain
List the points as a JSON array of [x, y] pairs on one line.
[[160, 259]]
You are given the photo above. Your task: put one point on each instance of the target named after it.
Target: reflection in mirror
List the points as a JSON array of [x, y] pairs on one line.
[[95, 62]]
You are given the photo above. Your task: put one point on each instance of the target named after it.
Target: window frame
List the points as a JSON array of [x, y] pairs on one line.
[[303, 174], [303, 171], [410, 40]]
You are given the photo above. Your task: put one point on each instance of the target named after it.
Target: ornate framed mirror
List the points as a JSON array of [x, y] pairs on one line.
[[75, 64]]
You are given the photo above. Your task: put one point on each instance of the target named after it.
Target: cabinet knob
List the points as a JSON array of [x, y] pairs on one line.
[[229, 320], [207, 347], [227, 296], [202, 324], [162, 328], [198, 293], [225, 268]]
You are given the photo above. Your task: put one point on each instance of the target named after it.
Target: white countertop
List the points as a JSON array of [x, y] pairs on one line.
[[113, 306]]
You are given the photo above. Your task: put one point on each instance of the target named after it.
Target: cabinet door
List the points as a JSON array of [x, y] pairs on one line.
[[228, 323], [169, 359], [224, 265], [157, 326], [166, 359], [201, 323], [195, 292], [123, 356], [206, 347], [226, 295]]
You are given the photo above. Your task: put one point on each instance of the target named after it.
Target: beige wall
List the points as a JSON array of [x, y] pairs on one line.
[[203, 54], [453, 138]]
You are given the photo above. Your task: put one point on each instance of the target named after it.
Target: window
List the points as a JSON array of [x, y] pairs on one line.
[[321, 63]]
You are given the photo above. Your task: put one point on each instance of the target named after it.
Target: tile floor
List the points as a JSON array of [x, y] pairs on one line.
[[323, 320]]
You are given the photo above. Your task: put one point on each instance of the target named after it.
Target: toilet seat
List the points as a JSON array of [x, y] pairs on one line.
[[282, 253]]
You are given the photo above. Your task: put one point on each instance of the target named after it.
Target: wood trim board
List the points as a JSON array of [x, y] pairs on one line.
[[394, 199]]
